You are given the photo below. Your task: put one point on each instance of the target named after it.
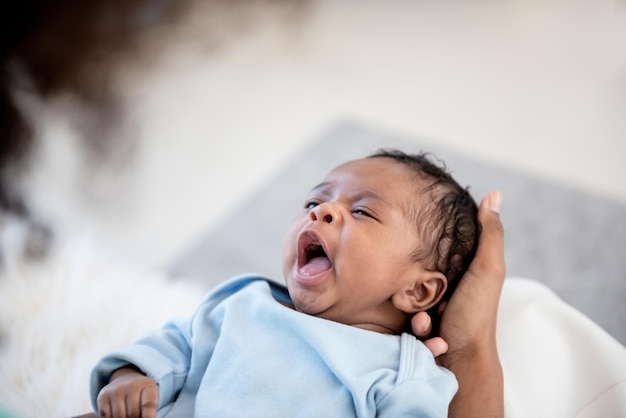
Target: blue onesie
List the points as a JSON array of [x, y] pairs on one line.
[[244, 354]]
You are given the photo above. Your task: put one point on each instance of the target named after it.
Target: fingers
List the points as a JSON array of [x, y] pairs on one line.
[[142, 405], [133, 405], [149, 402], [111, 407], [104, 406], [421, 324], [118, 408], [437, 346], [489, 260], [129, 394]]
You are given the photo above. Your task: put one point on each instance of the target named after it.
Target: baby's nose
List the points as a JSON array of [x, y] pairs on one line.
[[323, 212]]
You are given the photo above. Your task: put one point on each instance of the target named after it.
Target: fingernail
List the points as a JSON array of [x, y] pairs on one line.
[[495, 202]]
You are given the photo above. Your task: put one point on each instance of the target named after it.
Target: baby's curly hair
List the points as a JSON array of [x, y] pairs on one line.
[[447, 223]]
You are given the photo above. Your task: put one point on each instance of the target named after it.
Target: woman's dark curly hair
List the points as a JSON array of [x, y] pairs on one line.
[[447, 223], [73, 48]]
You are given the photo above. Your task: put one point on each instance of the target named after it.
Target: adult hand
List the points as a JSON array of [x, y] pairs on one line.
[[467, 345], [129, 394], [469, 318]]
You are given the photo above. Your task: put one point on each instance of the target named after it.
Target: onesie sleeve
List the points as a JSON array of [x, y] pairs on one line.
[[422, 388], [168, 355], [163, 355]]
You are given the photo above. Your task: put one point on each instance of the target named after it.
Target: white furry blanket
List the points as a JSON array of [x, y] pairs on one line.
[[58, 315]]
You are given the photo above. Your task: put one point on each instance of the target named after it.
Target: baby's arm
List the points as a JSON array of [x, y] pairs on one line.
[[164, 360], [129, 394]]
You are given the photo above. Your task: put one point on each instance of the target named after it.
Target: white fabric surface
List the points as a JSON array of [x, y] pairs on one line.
[[556, 361]]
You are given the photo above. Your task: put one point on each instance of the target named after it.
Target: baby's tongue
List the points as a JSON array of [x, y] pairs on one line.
[[315, 266]]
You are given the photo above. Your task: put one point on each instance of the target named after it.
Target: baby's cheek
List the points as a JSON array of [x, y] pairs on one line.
[[290, 246]]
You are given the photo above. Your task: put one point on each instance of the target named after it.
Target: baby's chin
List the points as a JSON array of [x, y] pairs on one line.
[[310, 305]]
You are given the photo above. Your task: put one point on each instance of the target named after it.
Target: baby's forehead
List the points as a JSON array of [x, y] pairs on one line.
[[382, 168], [362, 166], [399, 183]]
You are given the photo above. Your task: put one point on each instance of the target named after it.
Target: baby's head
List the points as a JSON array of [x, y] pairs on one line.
[[380, 239], [447, 222]]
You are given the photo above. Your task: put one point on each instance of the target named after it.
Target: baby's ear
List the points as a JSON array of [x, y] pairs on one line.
[[422, 293]]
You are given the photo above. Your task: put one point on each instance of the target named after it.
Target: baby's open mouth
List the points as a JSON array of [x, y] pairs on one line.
[[312, 257]]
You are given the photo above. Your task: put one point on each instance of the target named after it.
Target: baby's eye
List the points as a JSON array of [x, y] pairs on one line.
[[310, 204], [362, 212]]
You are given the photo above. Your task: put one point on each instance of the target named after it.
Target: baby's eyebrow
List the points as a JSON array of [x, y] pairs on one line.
[[361, 194], [324, 188], [372, 195], [320, 186]]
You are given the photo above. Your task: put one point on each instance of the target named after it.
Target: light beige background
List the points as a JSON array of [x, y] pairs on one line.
[[538, 86]]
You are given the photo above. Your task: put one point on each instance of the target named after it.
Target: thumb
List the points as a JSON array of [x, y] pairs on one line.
[[489, 259]]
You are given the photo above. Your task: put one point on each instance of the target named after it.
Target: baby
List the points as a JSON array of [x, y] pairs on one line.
[[380, 239]]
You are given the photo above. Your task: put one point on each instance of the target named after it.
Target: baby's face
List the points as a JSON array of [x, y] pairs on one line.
[[350, 249]]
